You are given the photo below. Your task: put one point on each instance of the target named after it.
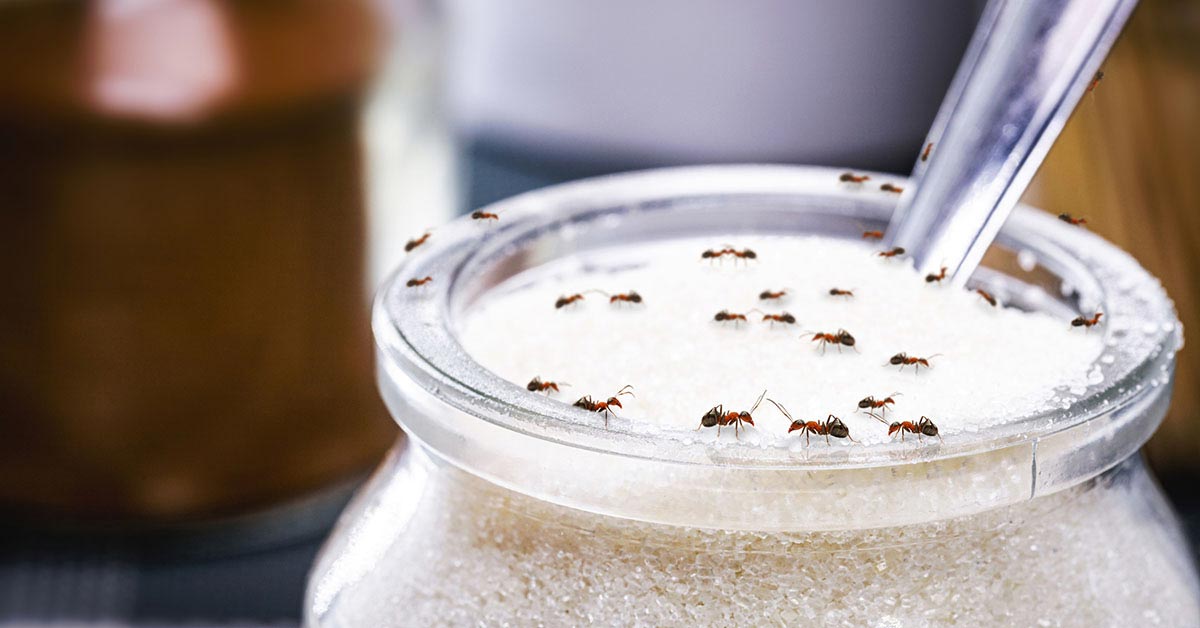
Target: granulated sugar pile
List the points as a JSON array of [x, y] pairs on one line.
[[439, 547], [988, 364]]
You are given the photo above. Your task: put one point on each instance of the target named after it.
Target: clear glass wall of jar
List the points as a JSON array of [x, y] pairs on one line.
[[511, 508]]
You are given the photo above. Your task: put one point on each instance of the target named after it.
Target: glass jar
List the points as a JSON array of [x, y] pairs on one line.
[[519, 510]]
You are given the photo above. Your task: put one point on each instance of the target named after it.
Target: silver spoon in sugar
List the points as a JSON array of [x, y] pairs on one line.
[[1028, 65]]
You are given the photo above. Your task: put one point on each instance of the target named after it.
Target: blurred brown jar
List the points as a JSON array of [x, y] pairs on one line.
[[184, 326]]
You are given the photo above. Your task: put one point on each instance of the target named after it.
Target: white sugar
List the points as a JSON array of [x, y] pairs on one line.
[[991, 364]]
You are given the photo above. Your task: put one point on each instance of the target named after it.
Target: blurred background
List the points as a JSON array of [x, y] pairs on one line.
[[197, 198]]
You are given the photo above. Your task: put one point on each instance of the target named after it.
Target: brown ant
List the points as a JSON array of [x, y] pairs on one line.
[[1096, 78], [729, 250], [771, 295], [1069, 219], [566, 300], [925, 153], [850, 177], [936, 277], [1083, 321], [842, 337], [591, 405], [921, 428], [838, 292], [892, 252], [718, 417], [414, 282], [872, 235], [782, 317], [903, 360], [626, 297], [482, 215], [537, 385], [569, 299], [725, 316], [888, 187], [870, 403], [831, 426], [986, 296], [415, 242]]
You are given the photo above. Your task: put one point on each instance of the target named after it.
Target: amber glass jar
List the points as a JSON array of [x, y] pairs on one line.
[[184, 323]]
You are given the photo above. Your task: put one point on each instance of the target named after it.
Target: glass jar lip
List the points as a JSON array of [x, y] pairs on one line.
[[427, 377]]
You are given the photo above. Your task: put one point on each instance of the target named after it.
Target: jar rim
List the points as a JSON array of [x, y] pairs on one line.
[[496, 429]]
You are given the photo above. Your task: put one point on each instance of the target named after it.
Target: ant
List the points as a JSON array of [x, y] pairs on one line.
[[415, 242], [769, 295], [564, 301], [925, 153], [718, 417], [888, 187], [626, 297], [892, 252], [482, 215], [587, 403], [729, 250], [1096, 78], [1067, 218], [1083, 321], [842, 337], [537, 385], [414, 282], [850, 177], [872, 235], [903, 360], [726, 315], [838, 292], [921, 428], [832, 426], [986, 296], [936, 277], [881, 404], [782, 317]]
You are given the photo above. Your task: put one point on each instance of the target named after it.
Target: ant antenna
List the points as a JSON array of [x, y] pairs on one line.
[[760, 398], [779, 407]]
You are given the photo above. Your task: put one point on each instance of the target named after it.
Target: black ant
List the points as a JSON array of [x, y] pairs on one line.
[[537, 385], [587, 403], [415, 242], [850, 177], [936, 277], [718, 417], [903, 360], [1069, 219], [838, 292], [888, 187], [892, 252], [414, 282], [870, 403], [482, 215], [921, 428], [838, 339], [925, 153], [986, 296], [1083, 321], [831, 426]]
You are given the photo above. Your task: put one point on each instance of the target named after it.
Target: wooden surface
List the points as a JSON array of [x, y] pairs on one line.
[[1129, 161]]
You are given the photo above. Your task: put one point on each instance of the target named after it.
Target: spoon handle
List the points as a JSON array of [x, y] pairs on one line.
[[1028, 65]]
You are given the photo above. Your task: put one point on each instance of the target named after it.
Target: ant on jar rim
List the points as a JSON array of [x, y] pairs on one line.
[[718, 417]]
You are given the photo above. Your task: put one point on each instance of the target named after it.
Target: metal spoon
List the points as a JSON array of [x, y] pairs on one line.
[[1028, 65]]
